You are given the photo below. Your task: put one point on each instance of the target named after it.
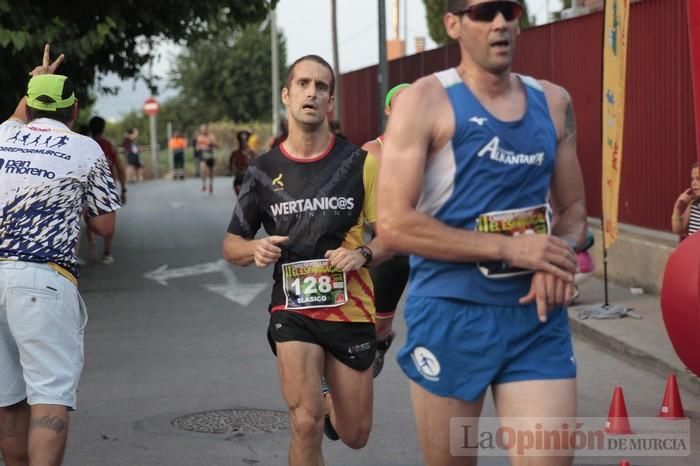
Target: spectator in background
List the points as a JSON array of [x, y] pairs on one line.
[[240, 159], [178, 144], [685, 219], [97, 128], [197, 156], [335, 129], [585, 266], [254, 142], [134, 168], [281, 134], [205, 145]]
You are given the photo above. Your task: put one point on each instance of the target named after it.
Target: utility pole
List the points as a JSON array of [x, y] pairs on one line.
[[336, 66], [169, 129], [153, 127], [275, 73], [405, 23], [383, 75], [395, 16]]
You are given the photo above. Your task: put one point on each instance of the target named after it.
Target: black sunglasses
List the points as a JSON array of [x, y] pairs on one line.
[[487, 11]]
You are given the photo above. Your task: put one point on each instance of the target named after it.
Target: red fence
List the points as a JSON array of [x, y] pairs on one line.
[[659, 144]]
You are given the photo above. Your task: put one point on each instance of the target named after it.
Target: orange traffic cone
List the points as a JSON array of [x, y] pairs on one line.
[[618, 423], [624, 463], [671, 406]]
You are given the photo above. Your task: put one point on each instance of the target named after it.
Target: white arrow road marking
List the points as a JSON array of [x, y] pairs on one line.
[[241, 294], [233, 289], [162, 274], [177, 205]]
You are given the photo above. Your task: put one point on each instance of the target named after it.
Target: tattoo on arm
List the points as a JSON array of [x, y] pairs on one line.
[[569, 120], [55, 423]]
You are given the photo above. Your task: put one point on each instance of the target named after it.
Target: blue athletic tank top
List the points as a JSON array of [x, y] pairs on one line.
[[488, 166]]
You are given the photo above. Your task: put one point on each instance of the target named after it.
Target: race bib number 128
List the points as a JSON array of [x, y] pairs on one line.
[[313, 283]]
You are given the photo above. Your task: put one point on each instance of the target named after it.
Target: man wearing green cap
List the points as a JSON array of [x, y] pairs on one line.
[[390, 277], [49, 175]]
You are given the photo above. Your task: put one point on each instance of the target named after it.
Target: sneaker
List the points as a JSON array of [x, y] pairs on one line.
[[107, 259], [382, 347], [328, 428]]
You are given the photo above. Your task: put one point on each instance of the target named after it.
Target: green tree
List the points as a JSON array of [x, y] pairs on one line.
[[227, 76], [105, 36], [435, 10]]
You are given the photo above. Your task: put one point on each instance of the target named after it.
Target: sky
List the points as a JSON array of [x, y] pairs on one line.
[[307, 28]]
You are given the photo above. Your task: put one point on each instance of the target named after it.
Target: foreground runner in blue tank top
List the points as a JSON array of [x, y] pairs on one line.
[[472, 162]]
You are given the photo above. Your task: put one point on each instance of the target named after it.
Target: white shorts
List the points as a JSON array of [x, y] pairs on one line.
[[42, 325]]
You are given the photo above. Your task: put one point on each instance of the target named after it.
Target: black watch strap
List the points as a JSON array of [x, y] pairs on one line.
[[366, 253]]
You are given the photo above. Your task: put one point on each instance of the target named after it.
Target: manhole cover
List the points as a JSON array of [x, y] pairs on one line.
[[233, 421]]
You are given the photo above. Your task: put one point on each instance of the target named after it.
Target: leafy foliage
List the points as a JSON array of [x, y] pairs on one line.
[[434, 12], [227, 77], [99, 36]]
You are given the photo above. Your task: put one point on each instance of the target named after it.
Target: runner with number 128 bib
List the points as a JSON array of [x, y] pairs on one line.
[[313, 194]]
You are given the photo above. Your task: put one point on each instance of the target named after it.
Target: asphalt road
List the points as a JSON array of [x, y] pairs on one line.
[[176, 340]]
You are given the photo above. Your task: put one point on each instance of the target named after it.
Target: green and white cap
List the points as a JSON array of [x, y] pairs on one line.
[[392, 92], [50, 92]]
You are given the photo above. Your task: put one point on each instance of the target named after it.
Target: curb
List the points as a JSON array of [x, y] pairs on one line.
[[634, 356]]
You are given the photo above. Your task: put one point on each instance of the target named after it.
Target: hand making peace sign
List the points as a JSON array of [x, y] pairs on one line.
[[45, 67]]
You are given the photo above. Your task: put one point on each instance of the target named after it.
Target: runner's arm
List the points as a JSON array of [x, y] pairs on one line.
[[20, 113], [243, 252], [411, 136], [681, 222], [373, 147], [567, 190], [567, 198], [348, 258], [45, 68]]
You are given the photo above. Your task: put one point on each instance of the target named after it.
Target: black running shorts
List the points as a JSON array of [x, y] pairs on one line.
[[352, 343], [389, 279]]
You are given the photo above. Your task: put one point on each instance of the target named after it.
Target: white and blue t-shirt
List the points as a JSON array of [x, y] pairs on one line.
[[489, 169], [48, 176]]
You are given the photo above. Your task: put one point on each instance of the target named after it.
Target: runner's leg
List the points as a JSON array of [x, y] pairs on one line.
[[433, 414], [14, 433], [300, 366], [350, 401], [48, 431], [203, 173], [211, 178], [524, 405]]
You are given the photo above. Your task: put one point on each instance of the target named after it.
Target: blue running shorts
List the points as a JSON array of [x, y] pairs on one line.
[[457, 349]]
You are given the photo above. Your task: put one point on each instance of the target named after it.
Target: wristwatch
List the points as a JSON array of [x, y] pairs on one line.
[[366, 253]]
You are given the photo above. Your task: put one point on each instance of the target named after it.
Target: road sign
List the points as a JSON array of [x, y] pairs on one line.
[[151, 107]]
